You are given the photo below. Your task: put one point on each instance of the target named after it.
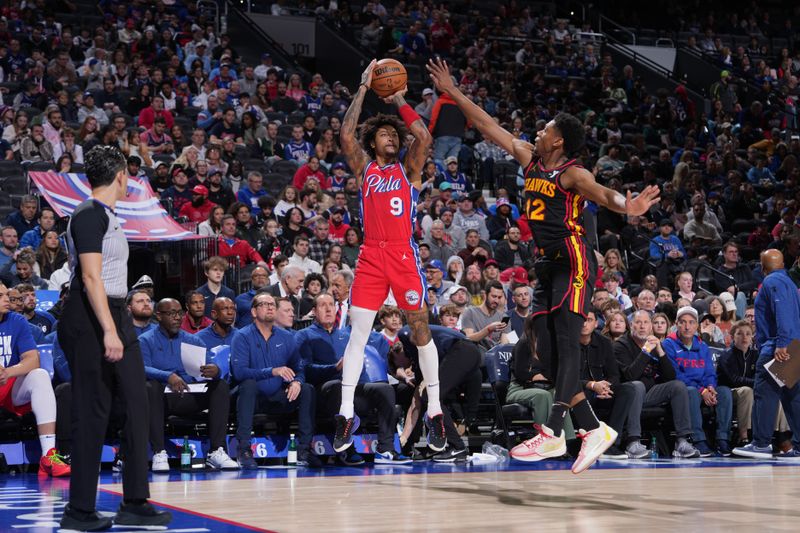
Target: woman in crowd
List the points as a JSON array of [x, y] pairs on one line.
[[352, 247], [616, 325], [295, 89], [261, 98], [14, 133], [135, 147], [273, 242], [336, 255], [64, 164], [89, 131], [139, 101], [661, 326], [293, 225], [433, 214], [326, 148], [612, 262], [252, 133], [179, 140], [213, 226], [723, 319], [51, 255]]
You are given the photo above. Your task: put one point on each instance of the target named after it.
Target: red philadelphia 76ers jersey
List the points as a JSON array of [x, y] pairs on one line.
[[388, 203]]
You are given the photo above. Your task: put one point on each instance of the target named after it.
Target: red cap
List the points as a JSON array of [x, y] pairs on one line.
[[200, 189]]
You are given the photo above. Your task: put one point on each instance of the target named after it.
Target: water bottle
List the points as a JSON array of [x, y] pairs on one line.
[[291, 455], [653, 449], [186, 455]]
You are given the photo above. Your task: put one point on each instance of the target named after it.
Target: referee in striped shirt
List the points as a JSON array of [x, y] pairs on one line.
[[102, 349]]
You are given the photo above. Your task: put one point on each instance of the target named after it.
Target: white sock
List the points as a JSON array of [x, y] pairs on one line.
[[361, 321], [429, 364], [48, 442]]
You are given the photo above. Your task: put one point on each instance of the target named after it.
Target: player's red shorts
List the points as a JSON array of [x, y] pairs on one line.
[[384, 265], [6, 402]]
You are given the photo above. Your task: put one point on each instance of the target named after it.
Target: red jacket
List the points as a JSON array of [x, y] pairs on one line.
[[197, 214], [305, 172], [186, 324], [148, 115], [246, 253], [336, 234]]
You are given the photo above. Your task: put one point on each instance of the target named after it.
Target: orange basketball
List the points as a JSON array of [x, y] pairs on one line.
[[388, 77]]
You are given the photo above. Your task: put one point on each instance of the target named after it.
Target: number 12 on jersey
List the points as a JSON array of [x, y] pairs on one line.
[[535, 209]]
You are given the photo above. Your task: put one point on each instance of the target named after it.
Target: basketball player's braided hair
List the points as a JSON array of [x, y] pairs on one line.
[[371, 126]]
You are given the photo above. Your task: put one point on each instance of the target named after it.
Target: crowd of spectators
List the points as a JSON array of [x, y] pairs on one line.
[[250, 154]]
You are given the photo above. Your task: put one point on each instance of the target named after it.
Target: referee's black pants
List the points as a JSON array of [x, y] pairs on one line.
[[94, 381]]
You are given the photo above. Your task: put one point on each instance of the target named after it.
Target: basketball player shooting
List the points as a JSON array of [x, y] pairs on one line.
[[389, 257], [556, 187]]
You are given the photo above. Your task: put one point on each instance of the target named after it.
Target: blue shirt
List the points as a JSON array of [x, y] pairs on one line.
[[250, 199], [224, 292], [321, 351], [162, 355], [252, 357], [212, 339], [243, 302], [299, 151], [43, 320], [60, 363], [141, 330], [15, 339], [694, 365], [444, 339], [777, 308], [668, 244]]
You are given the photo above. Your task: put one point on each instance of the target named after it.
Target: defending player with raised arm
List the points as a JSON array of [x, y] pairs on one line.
[[389, 257], [556, 189], [550, 147]]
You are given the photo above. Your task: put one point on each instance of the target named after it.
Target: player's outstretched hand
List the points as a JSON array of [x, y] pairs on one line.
[[366, 76], [440, 75], [643, 202]]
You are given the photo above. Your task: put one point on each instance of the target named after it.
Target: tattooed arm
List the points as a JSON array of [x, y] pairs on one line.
[[351, 148]]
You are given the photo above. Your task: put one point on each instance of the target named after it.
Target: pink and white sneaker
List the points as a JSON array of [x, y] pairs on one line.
[[545, 445], [595, 442]]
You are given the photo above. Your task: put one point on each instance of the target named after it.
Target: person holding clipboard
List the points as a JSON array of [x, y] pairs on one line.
[[97, 336], [777, 311]]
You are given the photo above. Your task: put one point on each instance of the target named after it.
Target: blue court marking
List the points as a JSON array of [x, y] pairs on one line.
[[29, 503]]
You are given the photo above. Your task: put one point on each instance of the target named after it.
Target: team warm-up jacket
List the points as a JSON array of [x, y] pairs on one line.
[[162, 355], [254, 358], [321, 351], [776, 329]]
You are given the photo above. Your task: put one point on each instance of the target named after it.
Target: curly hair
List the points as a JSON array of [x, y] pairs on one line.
[[371, 126]]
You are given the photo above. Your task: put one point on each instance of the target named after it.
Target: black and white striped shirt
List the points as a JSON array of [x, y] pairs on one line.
[[94, 228]]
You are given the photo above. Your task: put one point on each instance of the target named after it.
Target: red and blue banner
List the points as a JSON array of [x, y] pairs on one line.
[[141, 214]]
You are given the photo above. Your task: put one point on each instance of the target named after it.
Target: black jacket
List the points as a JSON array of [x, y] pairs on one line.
[[737, 369], [524, 367], [275, 290], [598, 362], [637, 365], [504, 255]]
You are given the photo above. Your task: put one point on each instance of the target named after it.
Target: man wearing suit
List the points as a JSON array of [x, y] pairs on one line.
[[289, 285], [340, 290]]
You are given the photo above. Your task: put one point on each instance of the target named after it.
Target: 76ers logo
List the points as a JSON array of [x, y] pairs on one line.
[[376, 183], [412, 297]]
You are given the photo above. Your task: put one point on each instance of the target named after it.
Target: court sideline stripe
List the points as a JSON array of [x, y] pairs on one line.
[[202, 515]]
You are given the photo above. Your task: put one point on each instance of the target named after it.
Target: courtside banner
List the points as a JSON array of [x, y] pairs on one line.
[[141, 214]]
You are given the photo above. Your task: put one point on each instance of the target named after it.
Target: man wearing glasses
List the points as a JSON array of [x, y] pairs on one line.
[[271, 377], [161, 352]]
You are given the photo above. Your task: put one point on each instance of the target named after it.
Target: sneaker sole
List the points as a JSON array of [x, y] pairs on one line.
[[637, 457], [558, 452], [385, 462], [590, 458], [753, 455], [681, 456], [620, 457], [462, 459], [99, 525]]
